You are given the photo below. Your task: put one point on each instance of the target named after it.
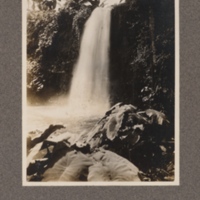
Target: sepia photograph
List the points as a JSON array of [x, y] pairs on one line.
[[100, 92]]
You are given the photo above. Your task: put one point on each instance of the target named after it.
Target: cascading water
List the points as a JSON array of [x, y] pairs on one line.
[[89, 93]]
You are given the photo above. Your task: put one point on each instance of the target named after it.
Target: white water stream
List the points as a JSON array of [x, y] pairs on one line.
[[89, 93]]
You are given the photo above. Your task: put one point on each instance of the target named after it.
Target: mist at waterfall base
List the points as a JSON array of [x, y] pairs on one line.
[[88, 99]]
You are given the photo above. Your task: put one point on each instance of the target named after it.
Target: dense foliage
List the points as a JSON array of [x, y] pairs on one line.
[[125, 145], [53, 41]]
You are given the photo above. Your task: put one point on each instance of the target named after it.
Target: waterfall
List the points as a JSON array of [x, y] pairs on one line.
[[89, 93]]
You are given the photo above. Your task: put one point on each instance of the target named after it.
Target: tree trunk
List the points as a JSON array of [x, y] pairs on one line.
[[152, 29], [153, 48]]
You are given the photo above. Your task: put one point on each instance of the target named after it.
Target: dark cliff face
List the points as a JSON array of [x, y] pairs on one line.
[[142, 54], [122, 51]]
